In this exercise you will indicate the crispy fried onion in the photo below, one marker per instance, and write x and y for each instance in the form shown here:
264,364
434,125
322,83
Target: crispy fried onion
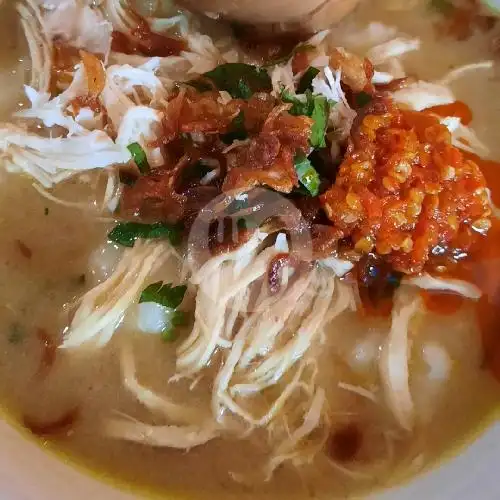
155,194
268,158
356,72
191,112
94,70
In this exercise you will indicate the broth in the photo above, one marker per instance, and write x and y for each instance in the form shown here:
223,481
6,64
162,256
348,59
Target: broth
45,249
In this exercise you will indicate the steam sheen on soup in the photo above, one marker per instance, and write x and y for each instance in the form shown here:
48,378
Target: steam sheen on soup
249,269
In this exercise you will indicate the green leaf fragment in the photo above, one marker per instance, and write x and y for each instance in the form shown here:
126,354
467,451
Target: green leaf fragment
237,131
442,6
307,174
200,84
139,156
16,334
240,80
178,319
164,294
171,298
125,233
301,105
306,80
316,107
362,99
320,114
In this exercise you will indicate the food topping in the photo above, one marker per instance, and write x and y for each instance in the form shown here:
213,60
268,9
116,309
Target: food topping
404,192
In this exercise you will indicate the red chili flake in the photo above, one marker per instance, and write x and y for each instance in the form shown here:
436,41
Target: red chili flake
24,249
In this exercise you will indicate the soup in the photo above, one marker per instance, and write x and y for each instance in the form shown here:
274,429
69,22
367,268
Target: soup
207,288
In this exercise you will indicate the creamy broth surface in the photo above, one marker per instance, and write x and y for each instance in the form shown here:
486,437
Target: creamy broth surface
44,267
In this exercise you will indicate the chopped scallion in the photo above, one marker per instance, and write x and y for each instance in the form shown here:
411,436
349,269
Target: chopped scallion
306,80
125,233
240,80
164,294
139,156
171,298
315,106
237,130
308,176
362,99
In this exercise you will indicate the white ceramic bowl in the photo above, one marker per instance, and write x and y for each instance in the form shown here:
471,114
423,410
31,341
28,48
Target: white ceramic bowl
27,472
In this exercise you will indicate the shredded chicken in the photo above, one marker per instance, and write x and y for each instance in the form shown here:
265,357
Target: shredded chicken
341,115
422,95
169,436
79,25
460,287
102,309
395,358
104,78
39,43
393,48
51,160
231,327
352,68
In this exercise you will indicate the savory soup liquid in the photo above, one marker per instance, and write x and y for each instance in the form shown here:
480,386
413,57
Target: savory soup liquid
66,396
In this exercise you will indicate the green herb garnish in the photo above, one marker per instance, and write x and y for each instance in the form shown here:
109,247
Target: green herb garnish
164,294
46,211
178,318
321,111
125,233
240,80
301,105
16,334
362,99
308,176
237,131
139,156
315,106
306,80
442,6
200,84
170,297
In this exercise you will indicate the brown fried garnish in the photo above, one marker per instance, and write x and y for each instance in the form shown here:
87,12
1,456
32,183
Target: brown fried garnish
154,196
356,72
269,158
95,74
